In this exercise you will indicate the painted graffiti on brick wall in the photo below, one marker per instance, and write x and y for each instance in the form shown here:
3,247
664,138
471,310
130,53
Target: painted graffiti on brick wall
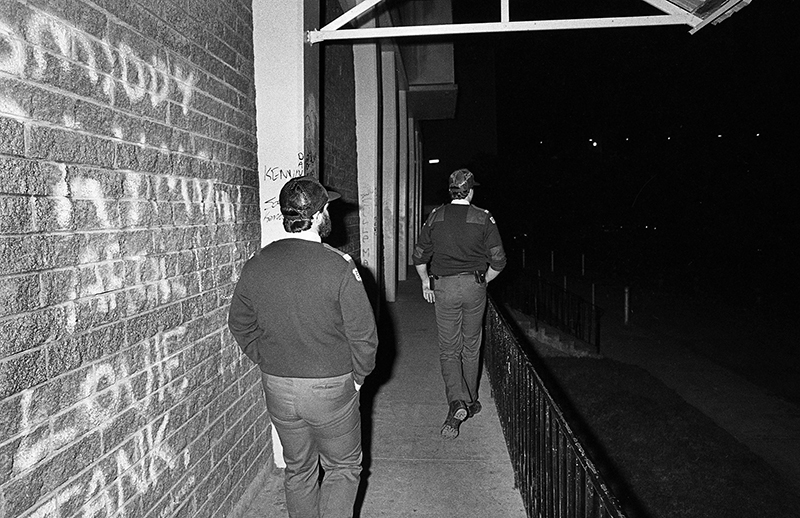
108,391
24,51
128,200
138,386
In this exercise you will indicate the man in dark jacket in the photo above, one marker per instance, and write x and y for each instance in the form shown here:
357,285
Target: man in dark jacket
463,246
300,312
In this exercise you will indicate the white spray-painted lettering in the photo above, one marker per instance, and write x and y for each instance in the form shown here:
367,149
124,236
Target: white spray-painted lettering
138,89
39,28
102,503
139,76
101,410
52,508
175,499
107,387
13,61
104,390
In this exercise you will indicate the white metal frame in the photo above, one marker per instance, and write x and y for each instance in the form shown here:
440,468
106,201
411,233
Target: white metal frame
674,15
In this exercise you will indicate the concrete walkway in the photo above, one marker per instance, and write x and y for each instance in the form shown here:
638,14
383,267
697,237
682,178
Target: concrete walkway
410,470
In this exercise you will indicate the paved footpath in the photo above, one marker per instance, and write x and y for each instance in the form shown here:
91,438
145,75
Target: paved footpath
410,469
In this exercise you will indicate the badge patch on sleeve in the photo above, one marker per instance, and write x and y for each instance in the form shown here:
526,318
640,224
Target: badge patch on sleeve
356,275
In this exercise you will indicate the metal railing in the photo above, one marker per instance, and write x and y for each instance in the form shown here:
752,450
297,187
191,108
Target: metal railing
554,305
551,468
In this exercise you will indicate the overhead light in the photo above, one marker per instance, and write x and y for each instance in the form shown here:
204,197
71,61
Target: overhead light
433,161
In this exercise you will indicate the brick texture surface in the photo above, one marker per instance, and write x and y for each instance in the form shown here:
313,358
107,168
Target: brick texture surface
128,204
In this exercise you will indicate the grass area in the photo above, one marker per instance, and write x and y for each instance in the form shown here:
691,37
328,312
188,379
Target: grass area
661,456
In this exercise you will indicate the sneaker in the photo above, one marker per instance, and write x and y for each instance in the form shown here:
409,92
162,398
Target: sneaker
458,410
456,415
450,427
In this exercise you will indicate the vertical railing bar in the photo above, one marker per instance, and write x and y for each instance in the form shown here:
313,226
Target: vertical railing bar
550,465
576,487
530,440
560,472
538,448
568,489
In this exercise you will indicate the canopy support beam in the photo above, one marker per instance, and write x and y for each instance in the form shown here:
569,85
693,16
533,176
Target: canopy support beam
674,15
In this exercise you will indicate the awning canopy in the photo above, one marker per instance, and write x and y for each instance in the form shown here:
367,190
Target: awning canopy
694,13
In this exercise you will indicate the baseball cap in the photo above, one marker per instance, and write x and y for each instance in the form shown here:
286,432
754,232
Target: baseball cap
462,180
303,196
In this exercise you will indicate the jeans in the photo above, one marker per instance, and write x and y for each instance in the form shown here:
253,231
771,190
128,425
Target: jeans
460,305
318,422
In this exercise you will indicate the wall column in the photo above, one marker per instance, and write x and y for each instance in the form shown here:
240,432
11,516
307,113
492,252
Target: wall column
366,58
416,205
402,188
413,182
287,101
389,147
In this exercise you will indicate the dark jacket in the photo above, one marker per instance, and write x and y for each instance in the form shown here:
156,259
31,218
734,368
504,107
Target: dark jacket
300,310
459,238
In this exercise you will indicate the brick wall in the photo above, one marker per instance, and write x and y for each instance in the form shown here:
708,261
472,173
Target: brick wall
339,156
129,202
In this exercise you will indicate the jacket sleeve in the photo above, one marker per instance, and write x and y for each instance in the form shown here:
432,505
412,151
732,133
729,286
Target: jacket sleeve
423,250
494,244
243,322
359,324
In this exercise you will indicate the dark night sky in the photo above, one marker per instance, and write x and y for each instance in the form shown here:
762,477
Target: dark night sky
732,75
529,103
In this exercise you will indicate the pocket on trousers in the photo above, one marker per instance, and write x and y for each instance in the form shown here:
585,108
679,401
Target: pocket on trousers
335,388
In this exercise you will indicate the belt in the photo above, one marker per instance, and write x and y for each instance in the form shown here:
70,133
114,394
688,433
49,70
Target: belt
453,275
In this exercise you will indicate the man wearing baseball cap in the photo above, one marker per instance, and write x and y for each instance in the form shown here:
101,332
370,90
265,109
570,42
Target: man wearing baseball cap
300,312
463,247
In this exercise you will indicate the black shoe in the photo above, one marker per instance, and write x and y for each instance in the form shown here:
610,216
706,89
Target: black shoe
473,408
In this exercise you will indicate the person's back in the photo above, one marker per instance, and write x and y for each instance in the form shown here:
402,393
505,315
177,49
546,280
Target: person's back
462,239
295,287
300,312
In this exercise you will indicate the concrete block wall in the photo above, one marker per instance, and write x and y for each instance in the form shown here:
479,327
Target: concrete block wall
339,156
128,204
